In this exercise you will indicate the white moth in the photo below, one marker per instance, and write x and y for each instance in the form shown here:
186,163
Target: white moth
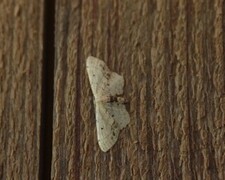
111,114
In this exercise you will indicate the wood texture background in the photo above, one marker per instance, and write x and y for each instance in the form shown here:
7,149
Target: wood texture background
171,54
21,46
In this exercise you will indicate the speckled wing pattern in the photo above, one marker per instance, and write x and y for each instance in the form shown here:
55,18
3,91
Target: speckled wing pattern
111,117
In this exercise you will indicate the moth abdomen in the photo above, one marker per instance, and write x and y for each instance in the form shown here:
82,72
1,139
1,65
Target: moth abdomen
121,100
110,99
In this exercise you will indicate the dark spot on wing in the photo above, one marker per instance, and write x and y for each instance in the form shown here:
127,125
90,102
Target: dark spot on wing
113,133
112,115
102,128
93,75
107,75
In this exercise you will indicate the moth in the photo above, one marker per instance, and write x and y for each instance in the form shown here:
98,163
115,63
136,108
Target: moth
111,113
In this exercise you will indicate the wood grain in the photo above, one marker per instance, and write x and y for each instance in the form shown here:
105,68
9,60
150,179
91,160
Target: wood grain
171,56
20,88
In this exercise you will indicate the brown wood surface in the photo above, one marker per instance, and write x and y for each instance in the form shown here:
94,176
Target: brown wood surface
21,46
171,54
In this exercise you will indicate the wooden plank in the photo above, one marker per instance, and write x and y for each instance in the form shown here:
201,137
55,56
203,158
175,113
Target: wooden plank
21,31
171,56
206,89
67,117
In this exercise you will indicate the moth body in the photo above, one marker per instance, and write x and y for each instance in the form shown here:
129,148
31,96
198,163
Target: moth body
111,114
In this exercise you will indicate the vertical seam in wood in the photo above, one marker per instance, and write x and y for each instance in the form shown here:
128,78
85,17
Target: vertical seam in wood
46,127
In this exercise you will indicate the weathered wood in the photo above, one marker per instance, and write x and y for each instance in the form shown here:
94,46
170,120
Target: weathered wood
171,56
21,36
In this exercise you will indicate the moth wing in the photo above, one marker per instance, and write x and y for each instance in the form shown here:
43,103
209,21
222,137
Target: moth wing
103,81
111,118
107,127
118,112
116,84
